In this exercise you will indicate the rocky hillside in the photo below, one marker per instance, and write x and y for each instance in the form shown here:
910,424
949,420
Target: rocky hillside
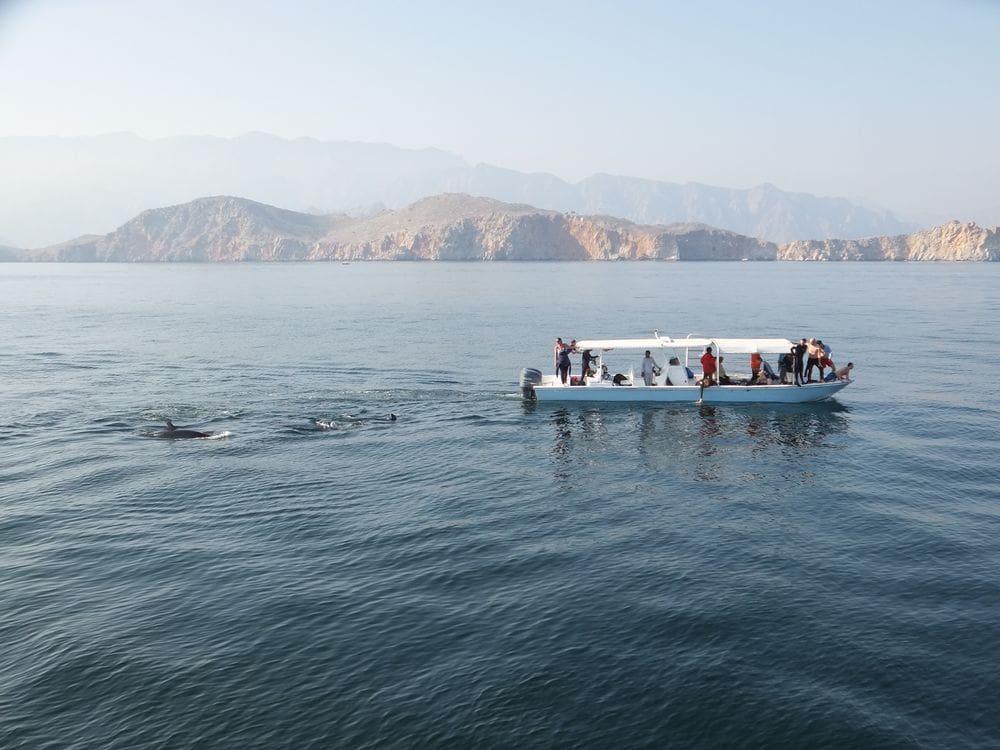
446,227
461,227
55,188
952,241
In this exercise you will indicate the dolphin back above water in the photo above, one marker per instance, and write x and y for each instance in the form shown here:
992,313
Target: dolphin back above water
350,421
173,432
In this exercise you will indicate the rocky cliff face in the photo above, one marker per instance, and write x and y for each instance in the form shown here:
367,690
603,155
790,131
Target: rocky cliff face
460,227
953,241
446,227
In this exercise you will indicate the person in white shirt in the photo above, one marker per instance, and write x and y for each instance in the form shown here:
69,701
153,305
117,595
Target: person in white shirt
648,371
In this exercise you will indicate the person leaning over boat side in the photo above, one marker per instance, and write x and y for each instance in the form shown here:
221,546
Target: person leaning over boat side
799,351
707,370
844,373
820,358
649,368
824,360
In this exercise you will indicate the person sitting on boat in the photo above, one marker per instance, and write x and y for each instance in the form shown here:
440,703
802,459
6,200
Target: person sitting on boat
754,365
708,365
844,373
765,368
605,375
723,376
786,363
649,368
677,374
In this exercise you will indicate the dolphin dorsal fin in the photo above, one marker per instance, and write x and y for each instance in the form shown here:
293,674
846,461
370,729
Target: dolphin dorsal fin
170,425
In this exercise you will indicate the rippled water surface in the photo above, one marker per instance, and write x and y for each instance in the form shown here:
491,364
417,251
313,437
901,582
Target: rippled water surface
482,571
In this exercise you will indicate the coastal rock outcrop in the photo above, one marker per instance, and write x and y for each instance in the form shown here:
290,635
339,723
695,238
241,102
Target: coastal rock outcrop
953,241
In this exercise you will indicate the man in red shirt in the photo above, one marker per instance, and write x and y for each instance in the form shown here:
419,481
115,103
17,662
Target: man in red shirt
708,370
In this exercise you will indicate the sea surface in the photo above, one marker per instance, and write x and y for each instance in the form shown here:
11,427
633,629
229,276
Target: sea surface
485,572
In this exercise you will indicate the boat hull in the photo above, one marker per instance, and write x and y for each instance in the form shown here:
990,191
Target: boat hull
716,394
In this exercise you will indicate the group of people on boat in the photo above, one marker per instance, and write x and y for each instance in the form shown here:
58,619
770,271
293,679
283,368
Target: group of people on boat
807,355
564,366
794,367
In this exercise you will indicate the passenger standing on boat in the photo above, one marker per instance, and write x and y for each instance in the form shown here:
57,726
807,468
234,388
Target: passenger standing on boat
799,351
825,362
555,353
814,350
649,368
708,370
786,364
563,364
588,360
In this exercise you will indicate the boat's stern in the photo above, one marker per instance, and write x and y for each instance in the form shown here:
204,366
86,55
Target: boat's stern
530,377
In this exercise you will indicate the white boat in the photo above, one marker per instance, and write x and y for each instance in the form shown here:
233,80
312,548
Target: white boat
675,382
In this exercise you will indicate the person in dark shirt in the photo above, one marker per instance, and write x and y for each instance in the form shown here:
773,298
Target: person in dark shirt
563,363
799,352
786,364
588,360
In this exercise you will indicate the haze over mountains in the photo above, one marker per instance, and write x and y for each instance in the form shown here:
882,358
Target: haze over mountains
461,227
53,189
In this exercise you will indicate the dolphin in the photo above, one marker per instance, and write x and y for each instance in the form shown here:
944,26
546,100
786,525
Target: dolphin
173,432
350,421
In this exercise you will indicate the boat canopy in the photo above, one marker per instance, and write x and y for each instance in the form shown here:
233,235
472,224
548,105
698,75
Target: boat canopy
728,346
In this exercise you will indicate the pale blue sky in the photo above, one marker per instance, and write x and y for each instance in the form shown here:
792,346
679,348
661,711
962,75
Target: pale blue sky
894,101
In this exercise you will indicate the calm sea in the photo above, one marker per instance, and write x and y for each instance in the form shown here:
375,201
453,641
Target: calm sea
483,572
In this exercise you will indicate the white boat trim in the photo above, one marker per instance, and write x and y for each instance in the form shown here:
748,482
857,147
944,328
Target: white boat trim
714,394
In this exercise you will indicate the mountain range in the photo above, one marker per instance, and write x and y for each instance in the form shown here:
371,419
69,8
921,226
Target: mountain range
462,227
54,188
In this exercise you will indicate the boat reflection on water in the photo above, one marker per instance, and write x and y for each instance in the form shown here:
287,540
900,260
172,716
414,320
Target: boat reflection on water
710,440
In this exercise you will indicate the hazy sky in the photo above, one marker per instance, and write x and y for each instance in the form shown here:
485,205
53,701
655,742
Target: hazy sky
896,101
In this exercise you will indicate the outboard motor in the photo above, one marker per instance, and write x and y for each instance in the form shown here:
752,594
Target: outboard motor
530,377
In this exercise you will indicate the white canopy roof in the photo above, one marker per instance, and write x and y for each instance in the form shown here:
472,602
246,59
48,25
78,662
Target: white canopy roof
726,346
